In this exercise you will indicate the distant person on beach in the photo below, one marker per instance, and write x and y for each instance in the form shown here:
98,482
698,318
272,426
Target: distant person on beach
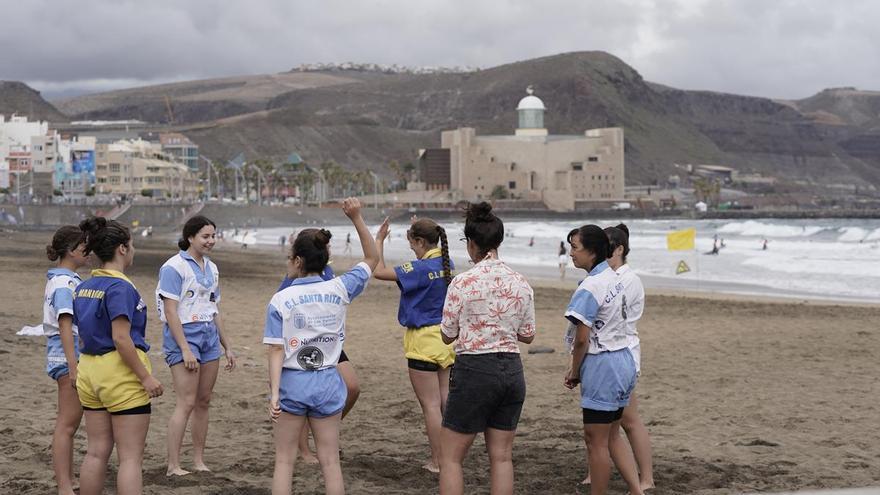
62,345
344,367
488,310
715,247
304,383
563,260
633,307
423,284
764,245
347,251
187,298
531,241
282,241
114,379
601,361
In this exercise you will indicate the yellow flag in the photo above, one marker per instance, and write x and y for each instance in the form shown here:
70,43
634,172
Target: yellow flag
682,268
681,240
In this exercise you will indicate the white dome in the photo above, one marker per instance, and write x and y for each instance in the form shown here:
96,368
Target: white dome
530,102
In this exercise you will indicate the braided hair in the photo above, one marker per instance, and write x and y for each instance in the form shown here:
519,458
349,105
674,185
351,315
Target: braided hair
432,233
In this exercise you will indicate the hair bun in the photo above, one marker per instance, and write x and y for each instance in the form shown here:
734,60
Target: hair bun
479,212
623,228
322,237
51,253
93,224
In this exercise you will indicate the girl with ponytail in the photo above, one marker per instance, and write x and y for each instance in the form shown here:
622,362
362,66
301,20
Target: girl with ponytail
114,379
423,284
68,251
188,297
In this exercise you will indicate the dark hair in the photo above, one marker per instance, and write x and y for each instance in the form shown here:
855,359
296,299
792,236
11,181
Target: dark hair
594,240
65,240
103,236
431,232
311,246
562,249
618,236
483,227
191,228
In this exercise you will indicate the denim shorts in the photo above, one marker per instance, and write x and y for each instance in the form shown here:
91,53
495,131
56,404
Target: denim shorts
203,340
313,393
56,360
607,380
485,391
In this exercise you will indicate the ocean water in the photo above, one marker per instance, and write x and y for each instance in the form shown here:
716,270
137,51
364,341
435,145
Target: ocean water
837,259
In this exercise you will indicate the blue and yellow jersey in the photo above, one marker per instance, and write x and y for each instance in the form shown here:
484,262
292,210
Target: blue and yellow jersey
422,290
101,299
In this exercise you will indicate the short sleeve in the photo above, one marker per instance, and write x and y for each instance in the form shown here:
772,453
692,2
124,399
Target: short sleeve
410,277
355,280
62,301
527,327
452,307
121,300
170,283
583,308
273,333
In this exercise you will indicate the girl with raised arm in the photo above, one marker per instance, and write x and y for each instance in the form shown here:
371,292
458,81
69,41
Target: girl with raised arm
305,330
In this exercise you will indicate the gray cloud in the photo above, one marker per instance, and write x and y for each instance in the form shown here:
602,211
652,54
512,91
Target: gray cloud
780,48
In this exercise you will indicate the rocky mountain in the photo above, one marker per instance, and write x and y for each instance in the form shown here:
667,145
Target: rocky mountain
365,118
19,98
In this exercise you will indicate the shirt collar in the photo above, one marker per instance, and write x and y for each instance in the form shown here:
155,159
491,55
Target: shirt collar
54,272
100,272
185,255
623,269
307,280
601,267
432,253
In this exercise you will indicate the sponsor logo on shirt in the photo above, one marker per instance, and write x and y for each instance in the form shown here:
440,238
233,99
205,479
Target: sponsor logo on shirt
310,358
293,342
406,267
299,321
190,293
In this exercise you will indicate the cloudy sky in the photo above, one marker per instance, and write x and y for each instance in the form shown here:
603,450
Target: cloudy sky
774,48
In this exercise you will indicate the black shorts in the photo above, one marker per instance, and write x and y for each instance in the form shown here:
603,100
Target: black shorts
485,391
342,357
419,365
144,409
596,417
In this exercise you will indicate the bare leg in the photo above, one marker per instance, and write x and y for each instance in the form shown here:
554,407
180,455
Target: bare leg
326,432
99,436
186,384
130,433
443,378
640,440
500,446
596,437
287,430
427,388
352,385
623,459
69,415
207,379
455,447
304,451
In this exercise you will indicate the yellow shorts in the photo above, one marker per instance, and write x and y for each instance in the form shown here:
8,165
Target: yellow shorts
426,344
106,382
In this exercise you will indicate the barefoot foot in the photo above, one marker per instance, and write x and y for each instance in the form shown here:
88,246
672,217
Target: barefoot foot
310,458
430,466
586,481
200,466
177,471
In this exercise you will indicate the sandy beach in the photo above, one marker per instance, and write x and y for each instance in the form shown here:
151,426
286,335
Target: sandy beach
739,394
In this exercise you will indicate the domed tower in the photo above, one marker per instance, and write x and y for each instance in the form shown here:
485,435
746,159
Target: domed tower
531,115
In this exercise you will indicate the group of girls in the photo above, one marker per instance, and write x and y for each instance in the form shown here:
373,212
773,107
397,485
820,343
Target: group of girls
461,345
97,351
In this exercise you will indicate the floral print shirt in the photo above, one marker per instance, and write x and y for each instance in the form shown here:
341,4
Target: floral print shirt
486,307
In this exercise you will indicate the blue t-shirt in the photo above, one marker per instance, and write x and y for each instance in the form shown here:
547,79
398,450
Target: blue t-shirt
100,300
287,282
422,291
171,282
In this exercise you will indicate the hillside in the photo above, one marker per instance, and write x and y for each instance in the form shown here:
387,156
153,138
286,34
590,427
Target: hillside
365,119
19,98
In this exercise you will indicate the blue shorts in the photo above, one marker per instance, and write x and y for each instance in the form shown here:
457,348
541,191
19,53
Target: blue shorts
56,361
607,380
203,339
317,394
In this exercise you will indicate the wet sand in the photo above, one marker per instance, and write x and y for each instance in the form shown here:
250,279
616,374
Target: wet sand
739,394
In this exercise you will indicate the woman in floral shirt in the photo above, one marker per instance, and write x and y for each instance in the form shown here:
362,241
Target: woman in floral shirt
488,309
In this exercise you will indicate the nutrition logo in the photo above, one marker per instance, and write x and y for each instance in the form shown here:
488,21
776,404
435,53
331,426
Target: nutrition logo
310,358
293,342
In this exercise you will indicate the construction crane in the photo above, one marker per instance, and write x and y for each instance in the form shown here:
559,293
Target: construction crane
169,110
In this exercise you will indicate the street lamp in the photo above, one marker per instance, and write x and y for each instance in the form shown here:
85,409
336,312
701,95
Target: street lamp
375,189
210,168
260,177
